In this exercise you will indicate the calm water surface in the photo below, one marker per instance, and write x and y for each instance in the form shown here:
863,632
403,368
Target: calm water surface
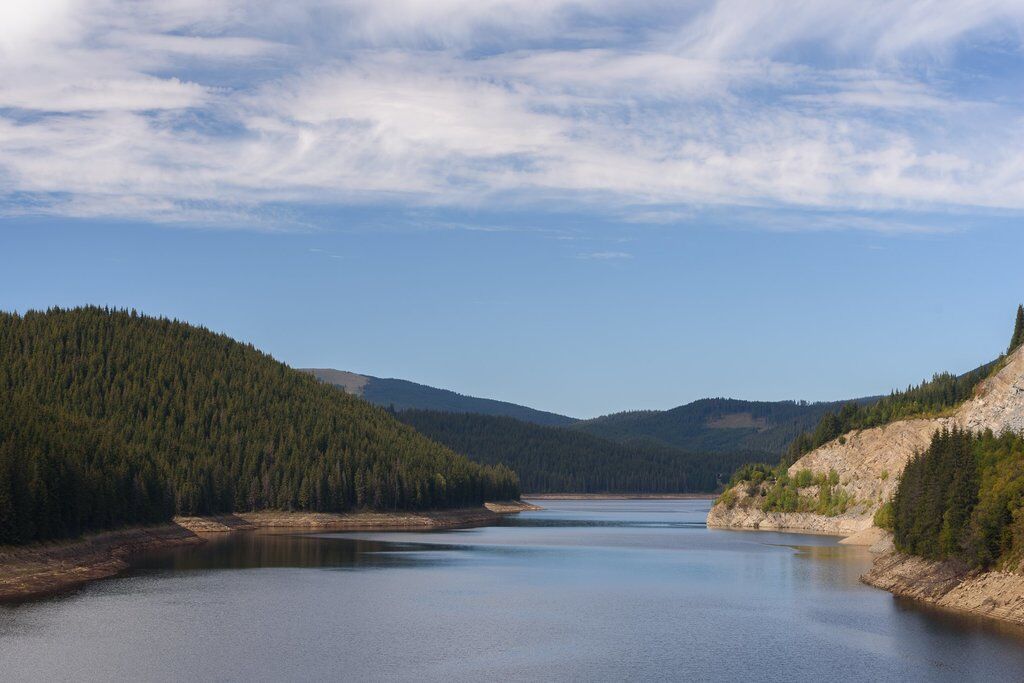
584,590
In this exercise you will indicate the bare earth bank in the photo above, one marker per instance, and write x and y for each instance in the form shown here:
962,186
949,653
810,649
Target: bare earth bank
951,585
619,496
43,569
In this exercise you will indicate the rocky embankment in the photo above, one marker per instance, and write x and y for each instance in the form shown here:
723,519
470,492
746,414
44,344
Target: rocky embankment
870,461
43,569
749,516
951,585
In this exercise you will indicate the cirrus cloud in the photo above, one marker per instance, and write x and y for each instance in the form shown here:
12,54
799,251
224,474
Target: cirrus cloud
214,112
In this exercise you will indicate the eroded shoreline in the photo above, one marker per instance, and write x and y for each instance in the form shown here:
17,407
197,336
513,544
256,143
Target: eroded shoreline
40,570
618,496
950,585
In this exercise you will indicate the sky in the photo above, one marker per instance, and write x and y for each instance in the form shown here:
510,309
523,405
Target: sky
584,207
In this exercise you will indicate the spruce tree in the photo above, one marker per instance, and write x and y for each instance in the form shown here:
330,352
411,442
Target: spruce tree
1018,330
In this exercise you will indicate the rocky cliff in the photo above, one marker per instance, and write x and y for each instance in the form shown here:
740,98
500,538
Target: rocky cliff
870,461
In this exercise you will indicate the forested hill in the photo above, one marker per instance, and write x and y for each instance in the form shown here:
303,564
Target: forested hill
112,418
720,425
404,395
559,460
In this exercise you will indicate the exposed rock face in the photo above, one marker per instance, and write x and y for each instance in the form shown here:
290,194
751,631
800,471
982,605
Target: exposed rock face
999,595
999,403
870,461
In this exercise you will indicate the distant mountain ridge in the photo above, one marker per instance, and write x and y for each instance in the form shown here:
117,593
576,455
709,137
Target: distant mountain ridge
718,425
708,425
405,395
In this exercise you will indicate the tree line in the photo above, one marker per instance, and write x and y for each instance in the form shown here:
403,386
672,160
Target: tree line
962,498
560,460
120,418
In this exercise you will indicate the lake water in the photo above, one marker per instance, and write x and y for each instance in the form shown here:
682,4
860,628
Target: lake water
583,590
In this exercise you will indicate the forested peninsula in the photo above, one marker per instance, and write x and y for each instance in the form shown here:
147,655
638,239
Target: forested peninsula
113,418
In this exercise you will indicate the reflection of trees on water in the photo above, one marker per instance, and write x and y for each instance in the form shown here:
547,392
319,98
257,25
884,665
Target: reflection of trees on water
254,550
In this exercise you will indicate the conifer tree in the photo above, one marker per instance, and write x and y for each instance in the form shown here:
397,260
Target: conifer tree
1018,330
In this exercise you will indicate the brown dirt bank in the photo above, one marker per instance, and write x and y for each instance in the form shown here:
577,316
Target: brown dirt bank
44,569
950,585
619,496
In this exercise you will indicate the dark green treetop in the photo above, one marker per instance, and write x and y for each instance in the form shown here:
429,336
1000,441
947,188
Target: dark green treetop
1018,330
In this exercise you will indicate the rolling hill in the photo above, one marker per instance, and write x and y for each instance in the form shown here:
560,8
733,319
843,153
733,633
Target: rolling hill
718,425
112,418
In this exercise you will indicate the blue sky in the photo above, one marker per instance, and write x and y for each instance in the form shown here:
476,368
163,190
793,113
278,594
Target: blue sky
584,207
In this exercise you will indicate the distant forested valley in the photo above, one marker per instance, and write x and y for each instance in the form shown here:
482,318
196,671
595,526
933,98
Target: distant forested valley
114,418
558,460
691,448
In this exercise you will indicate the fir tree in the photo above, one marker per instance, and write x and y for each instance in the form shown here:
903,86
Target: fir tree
1018,330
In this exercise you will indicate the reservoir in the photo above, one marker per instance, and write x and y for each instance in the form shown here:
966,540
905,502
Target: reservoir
582,590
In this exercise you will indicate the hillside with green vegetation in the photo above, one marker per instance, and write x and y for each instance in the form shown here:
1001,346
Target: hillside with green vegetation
402,394
962,498
557,460
719,425
778,489
775,490
114,418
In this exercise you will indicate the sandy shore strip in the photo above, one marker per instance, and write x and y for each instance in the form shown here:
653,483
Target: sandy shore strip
619,496
42,569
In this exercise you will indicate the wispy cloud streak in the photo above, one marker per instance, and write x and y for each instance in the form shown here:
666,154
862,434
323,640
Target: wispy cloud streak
211,111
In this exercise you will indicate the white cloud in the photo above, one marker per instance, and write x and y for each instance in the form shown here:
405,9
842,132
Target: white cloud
213,111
